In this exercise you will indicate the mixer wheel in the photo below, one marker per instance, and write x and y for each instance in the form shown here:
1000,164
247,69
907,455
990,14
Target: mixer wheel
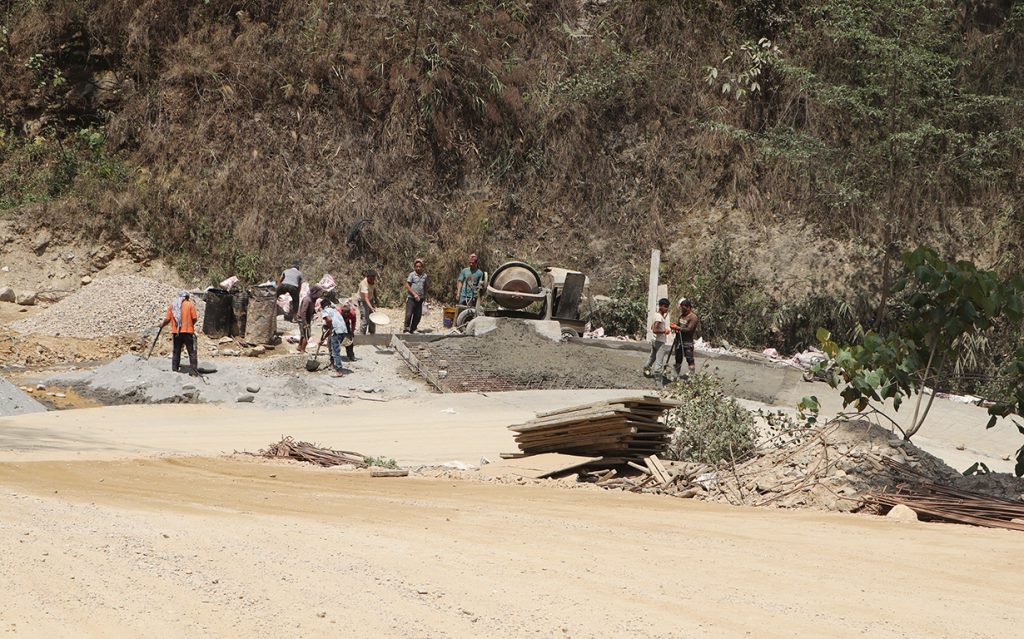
465,317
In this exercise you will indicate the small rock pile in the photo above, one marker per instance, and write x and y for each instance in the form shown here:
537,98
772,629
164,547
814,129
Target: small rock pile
109,306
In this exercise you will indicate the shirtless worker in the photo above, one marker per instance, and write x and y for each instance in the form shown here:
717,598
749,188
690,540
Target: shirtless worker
686,330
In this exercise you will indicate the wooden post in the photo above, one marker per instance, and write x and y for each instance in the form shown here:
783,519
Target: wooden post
652,291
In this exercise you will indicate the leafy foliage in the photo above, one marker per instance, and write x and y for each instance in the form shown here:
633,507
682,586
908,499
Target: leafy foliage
709,425
944,303
626,312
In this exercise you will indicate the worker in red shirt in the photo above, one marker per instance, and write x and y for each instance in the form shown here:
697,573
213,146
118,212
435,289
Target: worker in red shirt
348,311
182,317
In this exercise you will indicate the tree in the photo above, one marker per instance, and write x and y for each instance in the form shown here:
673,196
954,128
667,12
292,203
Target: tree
874,113
941,304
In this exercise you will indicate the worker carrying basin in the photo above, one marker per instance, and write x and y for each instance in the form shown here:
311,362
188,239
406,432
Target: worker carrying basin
518,290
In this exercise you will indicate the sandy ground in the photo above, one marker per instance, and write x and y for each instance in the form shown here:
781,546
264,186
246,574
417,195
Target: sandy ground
221,548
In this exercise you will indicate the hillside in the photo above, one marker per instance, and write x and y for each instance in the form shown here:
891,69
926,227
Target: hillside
237,135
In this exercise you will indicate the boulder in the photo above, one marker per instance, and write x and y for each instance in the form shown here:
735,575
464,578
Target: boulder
7,294
25,298
86,280
246,399
252,388
900,512
41,240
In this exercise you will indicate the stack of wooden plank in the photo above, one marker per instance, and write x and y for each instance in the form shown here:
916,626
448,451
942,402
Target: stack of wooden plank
624,429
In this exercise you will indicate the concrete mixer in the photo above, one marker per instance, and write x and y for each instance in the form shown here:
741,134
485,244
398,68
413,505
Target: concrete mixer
518,290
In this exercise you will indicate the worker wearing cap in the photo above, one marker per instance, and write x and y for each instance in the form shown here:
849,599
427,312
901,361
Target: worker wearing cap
182,317
416,289
686,330
661,330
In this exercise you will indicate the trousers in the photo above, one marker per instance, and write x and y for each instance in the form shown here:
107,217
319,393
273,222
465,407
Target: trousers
413,313
364,319
188,340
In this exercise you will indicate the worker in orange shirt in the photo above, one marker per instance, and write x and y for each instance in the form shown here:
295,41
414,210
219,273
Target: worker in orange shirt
182,317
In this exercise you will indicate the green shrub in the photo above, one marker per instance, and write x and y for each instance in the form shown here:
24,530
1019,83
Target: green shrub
626,312
709,426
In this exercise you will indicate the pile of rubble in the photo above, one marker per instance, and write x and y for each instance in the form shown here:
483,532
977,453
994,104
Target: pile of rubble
109,306
844,466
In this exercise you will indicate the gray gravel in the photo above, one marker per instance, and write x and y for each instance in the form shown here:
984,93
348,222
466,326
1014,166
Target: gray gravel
282,382
14,401
109,306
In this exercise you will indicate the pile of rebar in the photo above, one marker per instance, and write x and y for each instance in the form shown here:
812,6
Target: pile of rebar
936,502
306,452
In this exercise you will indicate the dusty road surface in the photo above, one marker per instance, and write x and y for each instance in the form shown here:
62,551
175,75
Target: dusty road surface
200,547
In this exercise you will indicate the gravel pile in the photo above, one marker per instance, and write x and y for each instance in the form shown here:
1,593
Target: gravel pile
109,306
14,401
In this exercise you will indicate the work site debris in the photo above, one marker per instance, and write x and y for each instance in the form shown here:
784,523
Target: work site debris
625,429
108,306
288,448
844,466
935,502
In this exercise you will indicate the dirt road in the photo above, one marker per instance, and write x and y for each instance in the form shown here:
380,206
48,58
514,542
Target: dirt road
217,548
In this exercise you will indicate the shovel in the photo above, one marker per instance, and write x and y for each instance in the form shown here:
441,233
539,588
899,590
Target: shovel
153,345
313,364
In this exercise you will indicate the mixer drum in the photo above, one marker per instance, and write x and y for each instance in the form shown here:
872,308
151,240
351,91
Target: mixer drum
515,285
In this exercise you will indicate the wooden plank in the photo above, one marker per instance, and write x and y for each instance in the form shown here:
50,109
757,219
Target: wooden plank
387,472
642,469
569,301
634,399
535,466
653,467
537,424
661,468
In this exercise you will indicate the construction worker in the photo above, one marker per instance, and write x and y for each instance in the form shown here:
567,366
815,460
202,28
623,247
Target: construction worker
685,332
661,329
416,290
336,327
304,317
290,281
182,317
367,297
348,312
469,282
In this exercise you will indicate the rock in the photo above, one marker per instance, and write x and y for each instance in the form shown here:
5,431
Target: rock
960,447
25,298
85,280
188,387
253,388
7,294
41,240
225,340
900,512
206,368
255,351
245,399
